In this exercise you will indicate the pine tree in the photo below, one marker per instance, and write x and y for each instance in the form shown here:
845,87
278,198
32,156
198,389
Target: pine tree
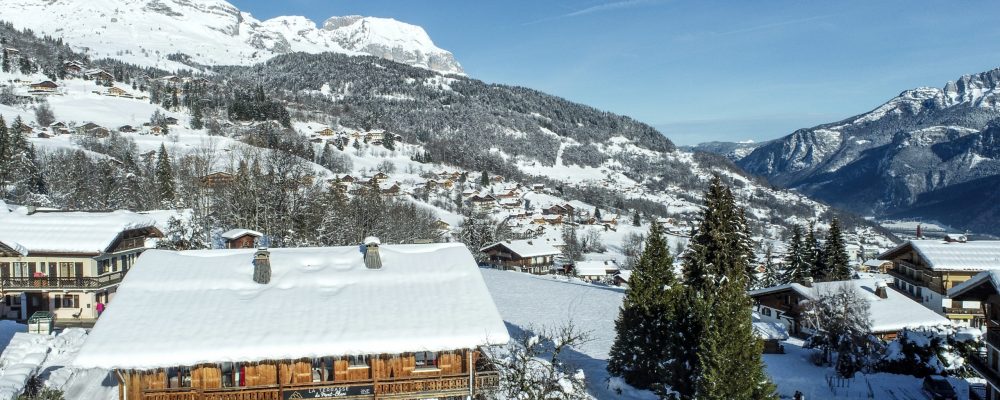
635,219
770,276
814,254
5,152
6,62
835,258
642,349
484,180
164,176
796,268
718,355
389,141
196,118
597,214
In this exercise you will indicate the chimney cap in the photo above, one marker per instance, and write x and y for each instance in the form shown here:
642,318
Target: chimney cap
372,241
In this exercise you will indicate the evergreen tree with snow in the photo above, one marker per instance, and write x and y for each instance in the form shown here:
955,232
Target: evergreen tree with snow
164,176
5,152
44,115
484,179
813,254
796,268
835,258
635,219
643,349
719,357
389,141
197,121
597,214
771,276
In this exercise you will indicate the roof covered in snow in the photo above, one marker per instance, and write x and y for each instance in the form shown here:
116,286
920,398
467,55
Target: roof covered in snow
976,286
67,232
187,308
592,268
238,233
768,330
895,312
527,248
975,255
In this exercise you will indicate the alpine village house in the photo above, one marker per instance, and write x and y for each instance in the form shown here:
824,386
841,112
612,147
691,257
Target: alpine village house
66,262
358,322
532,255
984,288
926,269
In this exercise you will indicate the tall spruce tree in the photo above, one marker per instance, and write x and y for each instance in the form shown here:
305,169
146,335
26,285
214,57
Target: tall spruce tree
643,350
814,254
796,268
718,355
835,258
164,176
770,276
5,152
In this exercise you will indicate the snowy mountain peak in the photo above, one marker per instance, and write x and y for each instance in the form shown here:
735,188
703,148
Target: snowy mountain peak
214,32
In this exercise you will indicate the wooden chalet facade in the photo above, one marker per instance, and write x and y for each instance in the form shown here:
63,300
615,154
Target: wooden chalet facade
241,238
926,269
532,255
66,263
786,304
983,288
341,344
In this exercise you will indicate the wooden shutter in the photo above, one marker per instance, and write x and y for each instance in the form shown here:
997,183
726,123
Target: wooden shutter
340,369
31,270
79,270
53,269
303,371
196,377
267,374
211,376
5,270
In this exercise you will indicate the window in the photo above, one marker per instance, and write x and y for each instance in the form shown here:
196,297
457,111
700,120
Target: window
66,270
102,266
766,311
20,270
322,369
426,359
178,377
67,301
232,375
358,361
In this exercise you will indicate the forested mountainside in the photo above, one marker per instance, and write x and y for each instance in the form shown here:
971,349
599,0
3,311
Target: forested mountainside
444,122
881,162
734,151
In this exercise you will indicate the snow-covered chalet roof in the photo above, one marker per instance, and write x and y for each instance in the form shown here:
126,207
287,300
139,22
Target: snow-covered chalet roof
67,232
991,277
527,248
893,313
192,307
977,255
238,233
594,268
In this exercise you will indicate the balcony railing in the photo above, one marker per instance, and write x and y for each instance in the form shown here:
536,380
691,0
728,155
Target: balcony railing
83,282
980,362
966,311
398,388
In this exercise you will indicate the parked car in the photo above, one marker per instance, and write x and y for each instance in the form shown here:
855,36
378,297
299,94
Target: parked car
938,388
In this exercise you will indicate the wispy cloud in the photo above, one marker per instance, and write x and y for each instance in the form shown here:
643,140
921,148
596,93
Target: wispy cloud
773,25
599,8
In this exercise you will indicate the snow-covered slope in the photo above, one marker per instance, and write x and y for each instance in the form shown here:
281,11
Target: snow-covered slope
214,32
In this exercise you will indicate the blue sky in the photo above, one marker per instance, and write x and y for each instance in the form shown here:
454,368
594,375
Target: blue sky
700,70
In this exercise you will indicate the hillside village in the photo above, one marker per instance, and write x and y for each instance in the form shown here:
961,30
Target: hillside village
516,255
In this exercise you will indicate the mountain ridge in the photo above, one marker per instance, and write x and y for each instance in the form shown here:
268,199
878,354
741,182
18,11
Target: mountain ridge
214,32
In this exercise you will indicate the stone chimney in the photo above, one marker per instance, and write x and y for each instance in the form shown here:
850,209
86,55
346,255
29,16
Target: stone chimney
262,266
881,290
372,258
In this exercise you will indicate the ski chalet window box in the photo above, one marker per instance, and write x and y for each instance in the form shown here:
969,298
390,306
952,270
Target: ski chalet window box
360,322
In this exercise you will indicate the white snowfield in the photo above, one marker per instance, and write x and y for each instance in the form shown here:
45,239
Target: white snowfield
968,256
214,32
890,314
66,232
187,308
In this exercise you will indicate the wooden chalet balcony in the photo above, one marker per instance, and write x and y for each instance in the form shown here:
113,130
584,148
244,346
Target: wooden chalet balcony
966,311
88,282
397,389
981,363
